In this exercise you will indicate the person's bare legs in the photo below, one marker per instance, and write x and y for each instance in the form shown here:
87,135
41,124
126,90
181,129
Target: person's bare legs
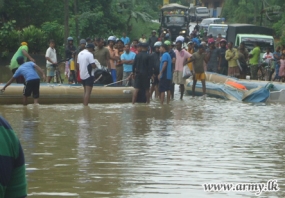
36,101
172,91
162,95
147,95
87,93
49,79
157,94
204,86
193,87
182,88
135,95
25,100
168,97
152,89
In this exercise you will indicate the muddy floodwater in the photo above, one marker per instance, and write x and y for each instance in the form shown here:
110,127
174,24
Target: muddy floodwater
140,151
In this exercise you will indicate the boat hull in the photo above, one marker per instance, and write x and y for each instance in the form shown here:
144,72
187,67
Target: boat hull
65,94
217,87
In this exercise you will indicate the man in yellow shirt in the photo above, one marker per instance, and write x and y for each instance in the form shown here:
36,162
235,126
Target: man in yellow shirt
191,51
231,57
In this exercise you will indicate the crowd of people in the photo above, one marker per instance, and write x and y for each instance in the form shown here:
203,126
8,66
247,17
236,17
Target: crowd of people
152,65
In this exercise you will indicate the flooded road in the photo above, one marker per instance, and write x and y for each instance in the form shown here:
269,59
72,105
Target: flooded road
121,150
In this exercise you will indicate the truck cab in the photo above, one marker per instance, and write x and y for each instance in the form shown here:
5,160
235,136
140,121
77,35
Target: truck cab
175,18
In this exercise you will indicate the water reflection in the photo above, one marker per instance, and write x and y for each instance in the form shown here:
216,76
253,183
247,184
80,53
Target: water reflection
124,150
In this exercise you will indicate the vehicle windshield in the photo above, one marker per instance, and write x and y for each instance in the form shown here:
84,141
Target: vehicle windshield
202,10
264,43
215,30
174,19
211,21
206,22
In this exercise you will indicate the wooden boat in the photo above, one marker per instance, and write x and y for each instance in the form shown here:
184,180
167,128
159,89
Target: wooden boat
61,94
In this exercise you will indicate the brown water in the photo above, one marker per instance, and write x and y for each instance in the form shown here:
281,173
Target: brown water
121,150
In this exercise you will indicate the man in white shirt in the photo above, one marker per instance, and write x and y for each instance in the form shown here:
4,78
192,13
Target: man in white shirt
86,65
268,56
51,60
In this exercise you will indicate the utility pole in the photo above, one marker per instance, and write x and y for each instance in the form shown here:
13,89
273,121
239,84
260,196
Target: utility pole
261,15
66,19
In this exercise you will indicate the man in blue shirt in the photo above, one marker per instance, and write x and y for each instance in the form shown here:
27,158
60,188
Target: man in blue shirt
165,75
32,79
125,39
127,59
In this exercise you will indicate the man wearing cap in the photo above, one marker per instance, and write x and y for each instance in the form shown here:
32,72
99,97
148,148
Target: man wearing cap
152,39
51,60
173,60
86,65
213,56
32,79
143,72
22,51
127,59
223,63
181,57
155,62
102,54
125,39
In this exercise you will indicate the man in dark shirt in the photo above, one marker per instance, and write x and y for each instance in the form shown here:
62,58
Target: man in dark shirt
70,49
152,40
155,61
142,71
223,63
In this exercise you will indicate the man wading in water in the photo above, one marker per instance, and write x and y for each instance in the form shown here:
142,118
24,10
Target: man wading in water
181,56
86,63
143,71
32,79
198,59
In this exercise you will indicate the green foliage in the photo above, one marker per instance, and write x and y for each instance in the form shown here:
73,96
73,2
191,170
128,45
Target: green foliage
34,37
140,28
38,21
53,30
245,11
9,37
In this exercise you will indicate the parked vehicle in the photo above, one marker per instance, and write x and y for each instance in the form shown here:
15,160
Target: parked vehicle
206,22
175,18
216,29
198,13
250,34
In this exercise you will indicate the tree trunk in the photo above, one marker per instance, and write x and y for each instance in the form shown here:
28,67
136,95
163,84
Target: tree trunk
66,17
128,24
76,22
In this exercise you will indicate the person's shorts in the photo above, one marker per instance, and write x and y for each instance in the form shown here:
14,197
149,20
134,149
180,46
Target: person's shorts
50,70
200,76
120,71
164,85
177,78
88,81
155,80
32,86
141,82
